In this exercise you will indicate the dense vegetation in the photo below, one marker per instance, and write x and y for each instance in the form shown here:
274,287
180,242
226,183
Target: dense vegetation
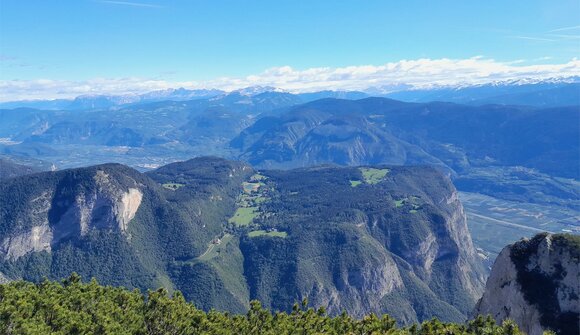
170,225
10,169
338,239
310,234
73,307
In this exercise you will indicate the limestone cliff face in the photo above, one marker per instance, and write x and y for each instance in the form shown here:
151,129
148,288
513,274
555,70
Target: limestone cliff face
38,238
56,214
536,283
106,206
445,257
355,286
456,240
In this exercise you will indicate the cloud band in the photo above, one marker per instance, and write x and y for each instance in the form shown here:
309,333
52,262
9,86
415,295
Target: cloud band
420,73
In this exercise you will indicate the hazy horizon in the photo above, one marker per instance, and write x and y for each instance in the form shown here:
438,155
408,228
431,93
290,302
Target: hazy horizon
66,49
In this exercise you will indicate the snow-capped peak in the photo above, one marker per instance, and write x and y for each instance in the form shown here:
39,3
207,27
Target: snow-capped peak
255,90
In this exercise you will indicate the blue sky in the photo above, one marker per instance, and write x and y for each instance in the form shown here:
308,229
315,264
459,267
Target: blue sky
197,41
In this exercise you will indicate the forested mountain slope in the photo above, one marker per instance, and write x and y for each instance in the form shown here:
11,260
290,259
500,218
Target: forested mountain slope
10,169
370,239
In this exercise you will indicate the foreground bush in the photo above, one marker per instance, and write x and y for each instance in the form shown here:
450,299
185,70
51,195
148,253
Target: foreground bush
73,307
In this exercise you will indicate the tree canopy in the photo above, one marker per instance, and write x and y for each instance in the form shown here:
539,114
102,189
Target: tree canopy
74,307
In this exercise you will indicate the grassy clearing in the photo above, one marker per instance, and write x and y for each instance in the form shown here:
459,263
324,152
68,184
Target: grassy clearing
172,186
355,183
257,233
214,249
248,202
373,176
244,216
251,187
409,202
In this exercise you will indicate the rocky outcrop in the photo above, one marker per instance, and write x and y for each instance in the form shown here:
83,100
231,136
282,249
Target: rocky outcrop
535,282
107,208
4,279
104,204
357,287
456,239
37,239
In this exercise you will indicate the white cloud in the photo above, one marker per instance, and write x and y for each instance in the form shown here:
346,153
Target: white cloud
564,37
531,38
565,29
127,3
419,73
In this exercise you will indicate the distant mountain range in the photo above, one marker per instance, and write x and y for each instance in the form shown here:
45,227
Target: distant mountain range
552,92
100,101
540,94
105,102
379,130
276,129
515,152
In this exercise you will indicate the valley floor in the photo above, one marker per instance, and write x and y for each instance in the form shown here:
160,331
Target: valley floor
495,223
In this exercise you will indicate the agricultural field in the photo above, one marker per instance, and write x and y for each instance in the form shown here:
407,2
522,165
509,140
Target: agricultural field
248,202
244,216
251,187
372,175
495,223
355,183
